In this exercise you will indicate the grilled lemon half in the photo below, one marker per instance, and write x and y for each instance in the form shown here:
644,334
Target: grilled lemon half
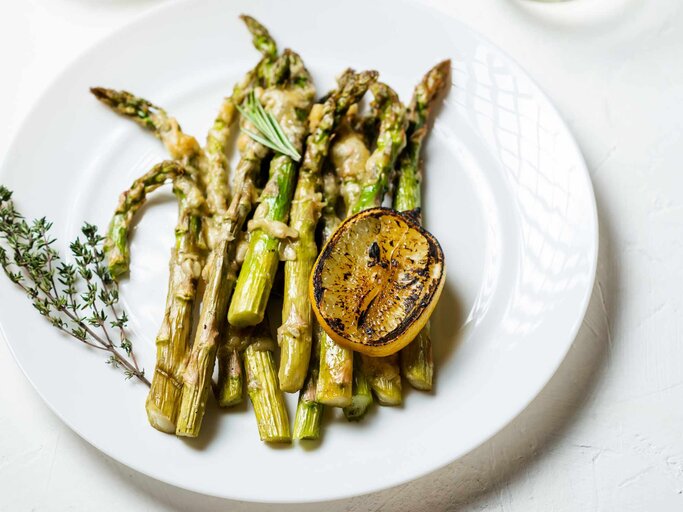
377,281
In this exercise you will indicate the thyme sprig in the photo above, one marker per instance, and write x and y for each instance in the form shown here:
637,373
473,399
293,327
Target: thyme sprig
270,133
80,298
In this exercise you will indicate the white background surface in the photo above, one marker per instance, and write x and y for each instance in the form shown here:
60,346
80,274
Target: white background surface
605,434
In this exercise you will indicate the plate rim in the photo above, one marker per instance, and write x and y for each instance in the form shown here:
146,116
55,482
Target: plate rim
146,16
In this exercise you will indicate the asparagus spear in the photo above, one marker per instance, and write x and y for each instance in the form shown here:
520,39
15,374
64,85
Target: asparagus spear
116,243
212,171
220,275
309,409
348,155
217,168
181,146
263,388
309,412
217,189
383,373
230,385
362,395
173,338
294,336
172,343
261,38
384,377
416,359
268,226
391,139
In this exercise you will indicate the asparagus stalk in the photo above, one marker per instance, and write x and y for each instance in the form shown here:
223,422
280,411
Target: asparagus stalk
116,242
229,388
268,226
309,409
416,359
220,276
209,168
294,336
432,85
263,388
230,385
384,378
181,146
218,190
217,169
197,375
335,374
267,47
348,155
172,341
383,373
309,412
391,139
261,38
362,395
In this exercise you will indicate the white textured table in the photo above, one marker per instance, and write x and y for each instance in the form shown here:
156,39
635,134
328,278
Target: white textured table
606,433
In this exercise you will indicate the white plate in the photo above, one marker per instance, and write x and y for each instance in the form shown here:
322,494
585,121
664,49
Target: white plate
507,193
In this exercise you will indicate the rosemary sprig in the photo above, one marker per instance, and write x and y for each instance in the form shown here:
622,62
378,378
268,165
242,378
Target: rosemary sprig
79,298
270,133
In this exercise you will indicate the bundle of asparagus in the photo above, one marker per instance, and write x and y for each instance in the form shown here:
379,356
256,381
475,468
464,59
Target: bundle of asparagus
280,121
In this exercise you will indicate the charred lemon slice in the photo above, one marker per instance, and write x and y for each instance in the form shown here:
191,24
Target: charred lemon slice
376,281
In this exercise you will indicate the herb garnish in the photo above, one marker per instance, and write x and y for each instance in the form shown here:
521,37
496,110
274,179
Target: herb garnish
270,133
80,298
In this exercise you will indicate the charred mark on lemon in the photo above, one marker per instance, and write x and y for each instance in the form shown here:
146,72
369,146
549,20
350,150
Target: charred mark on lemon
377,281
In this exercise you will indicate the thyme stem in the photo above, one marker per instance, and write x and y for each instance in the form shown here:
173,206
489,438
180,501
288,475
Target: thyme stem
61,291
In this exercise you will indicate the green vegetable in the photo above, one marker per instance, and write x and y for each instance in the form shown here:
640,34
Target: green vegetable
173,339
268,226
416,359
220,276
383,374
79,299
263,388
295,334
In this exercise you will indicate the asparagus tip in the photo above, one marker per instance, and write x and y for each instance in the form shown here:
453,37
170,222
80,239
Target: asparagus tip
444,66
102,94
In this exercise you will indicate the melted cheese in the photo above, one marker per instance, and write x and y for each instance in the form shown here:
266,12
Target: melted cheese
283,105
349,155
274,228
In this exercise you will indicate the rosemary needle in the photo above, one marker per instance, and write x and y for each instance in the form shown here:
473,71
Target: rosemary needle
270,133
